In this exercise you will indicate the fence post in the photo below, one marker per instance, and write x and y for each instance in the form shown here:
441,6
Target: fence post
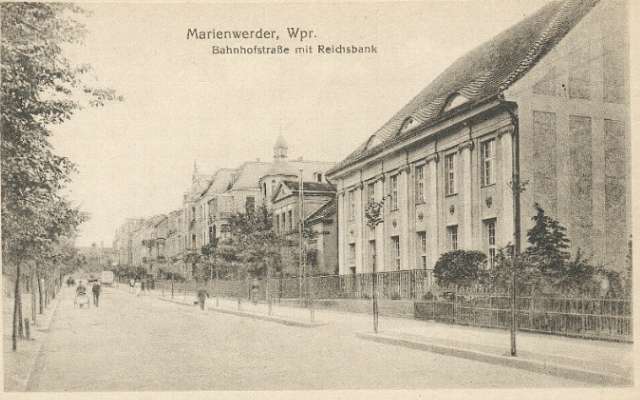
584,330
453,308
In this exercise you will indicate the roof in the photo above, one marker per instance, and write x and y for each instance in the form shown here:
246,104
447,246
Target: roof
485,71
220,181
328,210
280,142
248,175
292,167
310,187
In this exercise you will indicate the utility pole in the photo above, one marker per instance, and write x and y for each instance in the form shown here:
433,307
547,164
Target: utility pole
300,234
516,187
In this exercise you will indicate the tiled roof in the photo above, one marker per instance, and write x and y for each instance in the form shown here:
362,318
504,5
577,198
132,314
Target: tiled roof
316,187
248,175
220,181
326,211
483,72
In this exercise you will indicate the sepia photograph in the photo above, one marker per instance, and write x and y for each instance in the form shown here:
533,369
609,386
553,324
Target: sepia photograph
317,196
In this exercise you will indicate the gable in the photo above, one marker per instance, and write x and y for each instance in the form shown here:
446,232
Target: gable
282,192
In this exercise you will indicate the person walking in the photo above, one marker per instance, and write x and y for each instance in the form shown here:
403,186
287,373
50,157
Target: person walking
255,288
203,295
131,285
137,287
96,293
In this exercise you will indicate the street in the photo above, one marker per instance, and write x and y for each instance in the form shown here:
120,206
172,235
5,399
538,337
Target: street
141,343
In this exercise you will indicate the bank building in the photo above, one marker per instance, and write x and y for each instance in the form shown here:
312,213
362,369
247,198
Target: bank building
547,98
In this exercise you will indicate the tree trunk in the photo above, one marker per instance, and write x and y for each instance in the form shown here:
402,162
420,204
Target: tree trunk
40,299
16,299
20,323
33,297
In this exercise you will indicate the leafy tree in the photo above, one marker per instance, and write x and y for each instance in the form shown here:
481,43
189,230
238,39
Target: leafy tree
40,87
460,268
257,245
548,244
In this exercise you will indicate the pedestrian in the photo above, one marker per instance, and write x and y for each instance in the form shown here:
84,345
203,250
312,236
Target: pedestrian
255,287
131,285
203,294
96,293
137,287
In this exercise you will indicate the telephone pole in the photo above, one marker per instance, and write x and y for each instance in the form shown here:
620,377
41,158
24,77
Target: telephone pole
300,234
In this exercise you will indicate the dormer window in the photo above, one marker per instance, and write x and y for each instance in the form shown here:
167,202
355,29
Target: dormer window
455,101
408,124
317,176
372,142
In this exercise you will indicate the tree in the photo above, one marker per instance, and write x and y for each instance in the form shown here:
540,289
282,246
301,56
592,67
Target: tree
549,262
40,87
460,268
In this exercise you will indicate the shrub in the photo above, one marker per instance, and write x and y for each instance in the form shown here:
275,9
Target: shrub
460,268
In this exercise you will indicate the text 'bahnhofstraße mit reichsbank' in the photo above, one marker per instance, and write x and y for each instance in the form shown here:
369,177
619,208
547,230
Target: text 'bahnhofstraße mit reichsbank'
284,50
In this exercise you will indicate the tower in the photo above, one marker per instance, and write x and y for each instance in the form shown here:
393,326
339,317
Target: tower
280,149
194,176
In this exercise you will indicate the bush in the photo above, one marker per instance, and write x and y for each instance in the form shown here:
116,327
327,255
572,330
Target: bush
460,268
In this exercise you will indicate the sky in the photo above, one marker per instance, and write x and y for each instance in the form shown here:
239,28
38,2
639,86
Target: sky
183,104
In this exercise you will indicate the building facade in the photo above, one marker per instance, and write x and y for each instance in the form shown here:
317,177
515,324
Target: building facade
551,90
323,241
285,205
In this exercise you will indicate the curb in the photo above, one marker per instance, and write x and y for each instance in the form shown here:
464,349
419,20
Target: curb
594,377
279,320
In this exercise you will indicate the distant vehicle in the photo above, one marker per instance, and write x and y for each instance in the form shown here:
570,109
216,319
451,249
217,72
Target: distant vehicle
107,278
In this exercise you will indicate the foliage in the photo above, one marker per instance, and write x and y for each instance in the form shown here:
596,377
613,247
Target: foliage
546,266
461,268
40,87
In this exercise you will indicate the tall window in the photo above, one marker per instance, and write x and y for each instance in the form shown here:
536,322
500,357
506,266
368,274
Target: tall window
290,217
449,172
452,237
395,244
490,232
352,205
420,184
488,156
371,192
352,254
422,249
394,192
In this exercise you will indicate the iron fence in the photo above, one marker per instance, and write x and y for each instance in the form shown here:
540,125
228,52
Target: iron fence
596,318
603,318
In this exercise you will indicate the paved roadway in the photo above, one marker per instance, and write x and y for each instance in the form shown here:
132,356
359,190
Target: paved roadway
132,343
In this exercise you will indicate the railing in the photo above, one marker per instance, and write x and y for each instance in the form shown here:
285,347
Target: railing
603,318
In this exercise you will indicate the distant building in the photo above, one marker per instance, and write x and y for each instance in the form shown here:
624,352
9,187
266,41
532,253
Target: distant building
286,221
323,243
123,241
558,81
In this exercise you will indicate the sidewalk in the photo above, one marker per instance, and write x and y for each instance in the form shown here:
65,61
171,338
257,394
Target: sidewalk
284,315
593,361
19,365
596,362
